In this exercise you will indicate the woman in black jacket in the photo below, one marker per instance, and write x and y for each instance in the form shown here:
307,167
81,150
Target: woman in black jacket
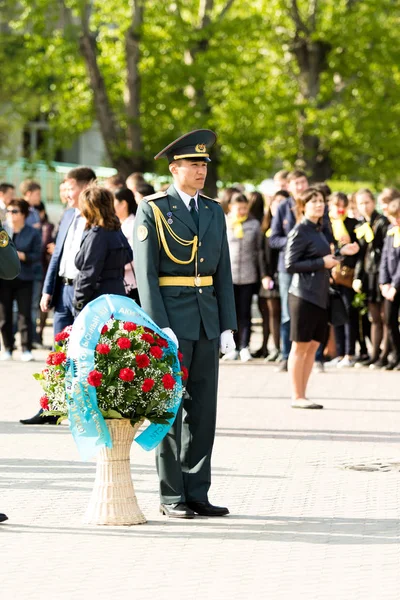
104,251
28,243
343,228
371,234
309,259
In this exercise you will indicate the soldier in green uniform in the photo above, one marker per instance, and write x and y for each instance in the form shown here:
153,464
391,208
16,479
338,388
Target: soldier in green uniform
9,269
184,280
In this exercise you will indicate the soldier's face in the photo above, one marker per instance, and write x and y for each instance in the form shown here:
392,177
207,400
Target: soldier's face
189,175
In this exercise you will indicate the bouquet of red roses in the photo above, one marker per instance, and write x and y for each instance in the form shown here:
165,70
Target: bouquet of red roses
133,374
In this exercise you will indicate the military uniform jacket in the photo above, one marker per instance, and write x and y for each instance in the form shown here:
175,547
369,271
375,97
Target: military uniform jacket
184,308
10,265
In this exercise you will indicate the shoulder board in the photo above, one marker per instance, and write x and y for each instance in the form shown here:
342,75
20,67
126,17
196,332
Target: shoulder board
156,196
217,200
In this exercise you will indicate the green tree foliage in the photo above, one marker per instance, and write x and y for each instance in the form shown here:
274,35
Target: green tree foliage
283,82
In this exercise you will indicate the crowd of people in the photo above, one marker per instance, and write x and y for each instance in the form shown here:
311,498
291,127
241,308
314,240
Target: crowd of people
258,227
266,264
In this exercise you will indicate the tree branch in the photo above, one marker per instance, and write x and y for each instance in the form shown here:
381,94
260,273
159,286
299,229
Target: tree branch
205,9
225,10
313,13
298,21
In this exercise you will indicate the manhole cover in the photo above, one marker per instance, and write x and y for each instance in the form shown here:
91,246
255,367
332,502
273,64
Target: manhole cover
383,466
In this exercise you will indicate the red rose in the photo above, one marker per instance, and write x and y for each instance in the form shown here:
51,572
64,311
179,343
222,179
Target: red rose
104,329
180,356
126,374
124,343
94,378
60,337
56,358
185,373
146,337
162,343
168,381
44,402
148,329
142,361
128,326
156,352
148,385
103,348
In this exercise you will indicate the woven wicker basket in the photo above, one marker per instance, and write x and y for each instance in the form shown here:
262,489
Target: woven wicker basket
113,500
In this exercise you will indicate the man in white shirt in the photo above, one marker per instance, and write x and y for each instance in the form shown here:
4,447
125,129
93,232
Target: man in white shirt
58,287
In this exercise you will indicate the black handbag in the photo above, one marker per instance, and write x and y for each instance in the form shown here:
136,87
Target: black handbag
338,314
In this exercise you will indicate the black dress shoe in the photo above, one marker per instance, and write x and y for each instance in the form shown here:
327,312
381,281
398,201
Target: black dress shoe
180,510
40,419
205,509
3,517
260,353
391,366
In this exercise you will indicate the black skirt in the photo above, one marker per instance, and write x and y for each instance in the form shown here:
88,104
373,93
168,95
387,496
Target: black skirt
307,321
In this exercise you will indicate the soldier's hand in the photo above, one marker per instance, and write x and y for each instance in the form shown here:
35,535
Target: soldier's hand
226,342
45,302
168,331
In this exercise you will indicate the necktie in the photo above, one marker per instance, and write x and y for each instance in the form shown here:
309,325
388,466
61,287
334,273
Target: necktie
193,212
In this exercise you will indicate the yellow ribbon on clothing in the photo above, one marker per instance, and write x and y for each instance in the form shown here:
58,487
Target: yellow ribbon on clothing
338,227
395,231
161,223
238,228
268,233
365,231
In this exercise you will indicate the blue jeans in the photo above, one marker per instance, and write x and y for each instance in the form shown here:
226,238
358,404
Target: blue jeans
285,279
64,310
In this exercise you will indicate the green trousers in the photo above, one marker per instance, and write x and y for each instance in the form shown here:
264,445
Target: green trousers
183,458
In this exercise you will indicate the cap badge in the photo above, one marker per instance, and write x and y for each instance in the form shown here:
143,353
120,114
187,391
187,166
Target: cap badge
200,148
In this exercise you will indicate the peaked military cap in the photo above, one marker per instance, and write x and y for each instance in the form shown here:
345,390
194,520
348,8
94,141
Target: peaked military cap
194,144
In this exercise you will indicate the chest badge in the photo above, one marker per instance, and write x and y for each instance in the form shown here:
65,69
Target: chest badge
4,239
142,233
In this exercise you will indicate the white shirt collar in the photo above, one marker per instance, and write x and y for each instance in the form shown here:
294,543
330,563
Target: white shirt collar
186,198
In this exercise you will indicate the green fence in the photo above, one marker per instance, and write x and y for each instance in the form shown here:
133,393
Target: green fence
48,175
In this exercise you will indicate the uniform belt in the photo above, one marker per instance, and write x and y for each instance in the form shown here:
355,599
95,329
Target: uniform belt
186,281
67,281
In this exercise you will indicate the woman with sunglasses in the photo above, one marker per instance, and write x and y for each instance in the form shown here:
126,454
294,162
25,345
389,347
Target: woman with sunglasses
28,243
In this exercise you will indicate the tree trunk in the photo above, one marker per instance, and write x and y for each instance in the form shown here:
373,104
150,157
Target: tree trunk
133,85
311,59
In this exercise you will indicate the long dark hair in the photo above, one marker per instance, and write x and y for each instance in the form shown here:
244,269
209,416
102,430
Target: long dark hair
267,220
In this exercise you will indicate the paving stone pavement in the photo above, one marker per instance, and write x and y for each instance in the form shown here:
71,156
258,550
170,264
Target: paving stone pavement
303,523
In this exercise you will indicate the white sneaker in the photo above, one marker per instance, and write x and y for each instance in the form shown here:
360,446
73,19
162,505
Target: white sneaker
231,355
27,356
6,355
245,355
346,363
333,363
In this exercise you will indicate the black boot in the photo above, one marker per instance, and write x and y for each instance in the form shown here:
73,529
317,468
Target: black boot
3,517
40,419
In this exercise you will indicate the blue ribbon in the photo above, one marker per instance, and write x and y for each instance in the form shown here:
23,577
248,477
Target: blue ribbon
87,424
